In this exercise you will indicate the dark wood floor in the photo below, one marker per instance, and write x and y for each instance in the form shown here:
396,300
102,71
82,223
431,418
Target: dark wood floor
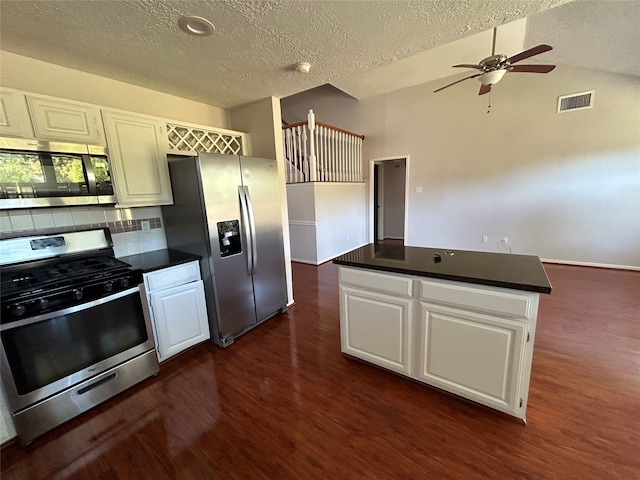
284,403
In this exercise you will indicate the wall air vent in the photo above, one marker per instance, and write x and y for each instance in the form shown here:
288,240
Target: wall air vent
575,101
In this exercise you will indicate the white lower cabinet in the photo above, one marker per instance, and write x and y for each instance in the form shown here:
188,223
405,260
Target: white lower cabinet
473,355
376,328
471,340
176,305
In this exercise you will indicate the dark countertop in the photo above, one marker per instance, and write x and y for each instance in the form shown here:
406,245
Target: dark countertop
519,272
159,259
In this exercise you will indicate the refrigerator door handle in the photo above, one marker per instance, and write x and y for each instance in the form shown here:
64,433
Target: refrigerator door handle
247,227
252,220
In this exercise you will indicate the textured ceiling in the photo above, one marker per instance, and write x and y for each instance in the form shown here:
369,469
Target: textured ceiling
255,44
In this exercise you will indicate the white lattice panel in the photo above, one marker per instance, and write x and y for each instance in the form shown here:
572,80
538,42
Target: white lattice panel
191,139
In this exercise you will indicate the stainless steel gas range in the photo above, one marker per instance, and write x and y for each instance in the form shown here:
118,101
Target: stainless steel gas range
73,329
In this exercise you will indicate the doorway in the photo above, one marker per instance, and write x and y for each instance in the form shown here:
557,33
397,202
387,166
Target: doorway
388,200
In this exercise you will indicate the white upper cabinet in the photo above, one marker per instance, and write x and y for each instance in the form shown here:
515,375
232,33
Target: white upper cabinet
58,119
138,152
14,115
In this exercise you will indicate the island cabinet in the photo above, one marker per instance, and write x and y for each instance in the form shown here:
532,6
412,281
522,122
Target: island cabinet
464,337
474,341
477,342
376,312
138,148
176,307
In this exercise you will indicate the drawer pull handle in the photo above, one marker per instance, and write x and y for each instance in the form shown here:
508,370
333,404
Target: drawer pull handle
96,384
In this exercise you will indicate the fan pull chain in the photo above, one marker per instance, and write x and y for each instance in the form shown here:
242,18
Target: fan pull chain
489,103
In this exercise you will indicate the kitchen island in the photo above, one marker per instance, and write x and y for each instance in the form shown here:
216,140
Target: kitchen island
457,320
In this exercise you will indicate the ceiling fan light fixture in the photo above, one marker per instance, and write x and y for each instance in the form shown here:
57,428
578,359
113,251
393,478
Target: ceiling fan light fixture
196,26
491,78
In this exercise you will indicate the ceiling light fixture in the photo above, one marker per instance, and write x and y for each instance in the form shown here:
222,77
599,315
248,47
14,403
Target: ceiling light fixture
303,67
491,78
196,26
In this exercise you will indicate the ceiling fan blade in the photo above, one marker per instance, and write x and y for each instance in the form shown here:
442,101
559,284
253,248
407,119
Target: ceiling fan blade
529,53
466,65
532,68
484,89
458,81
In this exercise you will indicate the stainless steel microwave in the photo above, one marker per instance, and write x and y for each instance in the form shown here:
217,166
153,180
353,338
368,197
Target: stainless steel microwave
36,173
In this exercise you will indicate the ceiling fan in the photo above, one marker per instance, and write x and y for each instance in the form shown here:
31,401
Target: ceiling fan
493,68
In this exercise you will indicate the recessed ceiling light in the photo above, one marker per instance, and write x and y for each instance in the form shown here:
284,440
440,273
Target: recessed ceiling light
197,26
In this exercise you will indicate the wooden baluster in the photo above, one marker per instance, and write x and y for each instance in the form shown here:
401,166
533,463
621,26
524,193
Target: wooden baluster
313,169
301,160
305,153
289,156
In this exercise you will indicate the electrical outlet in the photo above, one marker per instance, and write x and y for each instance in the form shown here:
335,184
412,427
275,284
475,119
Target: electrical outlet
485,239
505,240
145,226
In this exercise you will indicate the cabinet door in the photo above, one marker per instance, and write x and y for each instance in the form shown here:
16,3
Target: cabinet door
376,328
14,115
137,148
180,318
476,356
56,119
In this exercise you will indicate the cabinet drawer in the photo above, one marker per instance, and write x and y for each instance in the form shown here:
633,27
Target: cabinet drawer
395,284
172,276
480,298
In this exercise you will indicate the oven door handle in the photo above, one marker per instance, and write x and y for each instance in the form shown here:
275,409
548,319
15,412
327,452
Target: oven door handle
66,311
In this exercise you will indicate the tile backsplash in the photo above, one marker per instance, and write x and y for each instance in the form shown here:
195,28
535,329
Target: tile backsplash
128,226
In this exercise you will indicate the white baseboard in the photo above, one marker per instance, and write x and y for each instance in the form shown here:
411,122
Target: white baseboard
590,264
300,260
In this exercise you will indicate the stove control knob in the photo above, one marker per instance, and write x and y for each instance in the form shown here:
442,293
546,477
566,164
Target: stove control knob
42,303
108,286
124,282
17,310
77,294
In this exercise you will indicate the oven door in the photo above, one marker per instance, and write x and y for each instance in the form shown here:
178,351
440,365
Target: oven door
48,353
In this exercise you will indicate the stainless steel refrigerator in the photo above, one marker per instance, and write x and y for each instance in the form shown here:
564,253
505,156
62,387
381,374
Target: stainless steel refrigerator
227,210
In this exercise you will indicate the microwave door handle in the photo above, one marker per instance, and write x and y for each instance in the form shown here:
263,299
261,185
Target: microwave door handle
254,242
90,175
245,223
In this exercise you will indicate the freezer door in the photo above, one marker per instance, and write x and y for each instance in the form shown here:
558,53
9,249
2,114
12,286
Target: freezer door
221,187
260,179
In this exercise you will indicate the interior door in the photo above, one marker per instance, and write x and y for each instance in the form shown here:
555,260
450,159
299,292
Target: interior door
260,177
220,177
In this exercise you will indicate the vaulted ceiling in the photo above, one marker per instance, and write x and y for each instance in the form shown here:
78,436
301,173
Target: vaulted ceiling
363,47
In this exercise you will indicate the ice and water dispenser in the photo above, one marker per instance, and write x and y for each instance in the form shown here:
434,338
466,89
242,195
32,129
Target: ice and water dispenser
229,237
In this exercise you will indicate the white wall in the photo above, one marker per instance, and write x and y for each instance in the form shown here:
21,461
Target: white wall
35,76
302,222
326,219
262,119
560,186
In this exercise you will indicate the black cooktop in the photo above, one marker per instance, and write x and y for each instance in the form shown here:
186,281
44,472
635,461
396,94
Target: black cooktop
38,287
46,275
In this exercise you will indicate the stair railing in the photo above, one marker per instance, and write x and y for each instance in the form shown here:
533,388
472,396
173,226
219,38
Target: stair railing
317,152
